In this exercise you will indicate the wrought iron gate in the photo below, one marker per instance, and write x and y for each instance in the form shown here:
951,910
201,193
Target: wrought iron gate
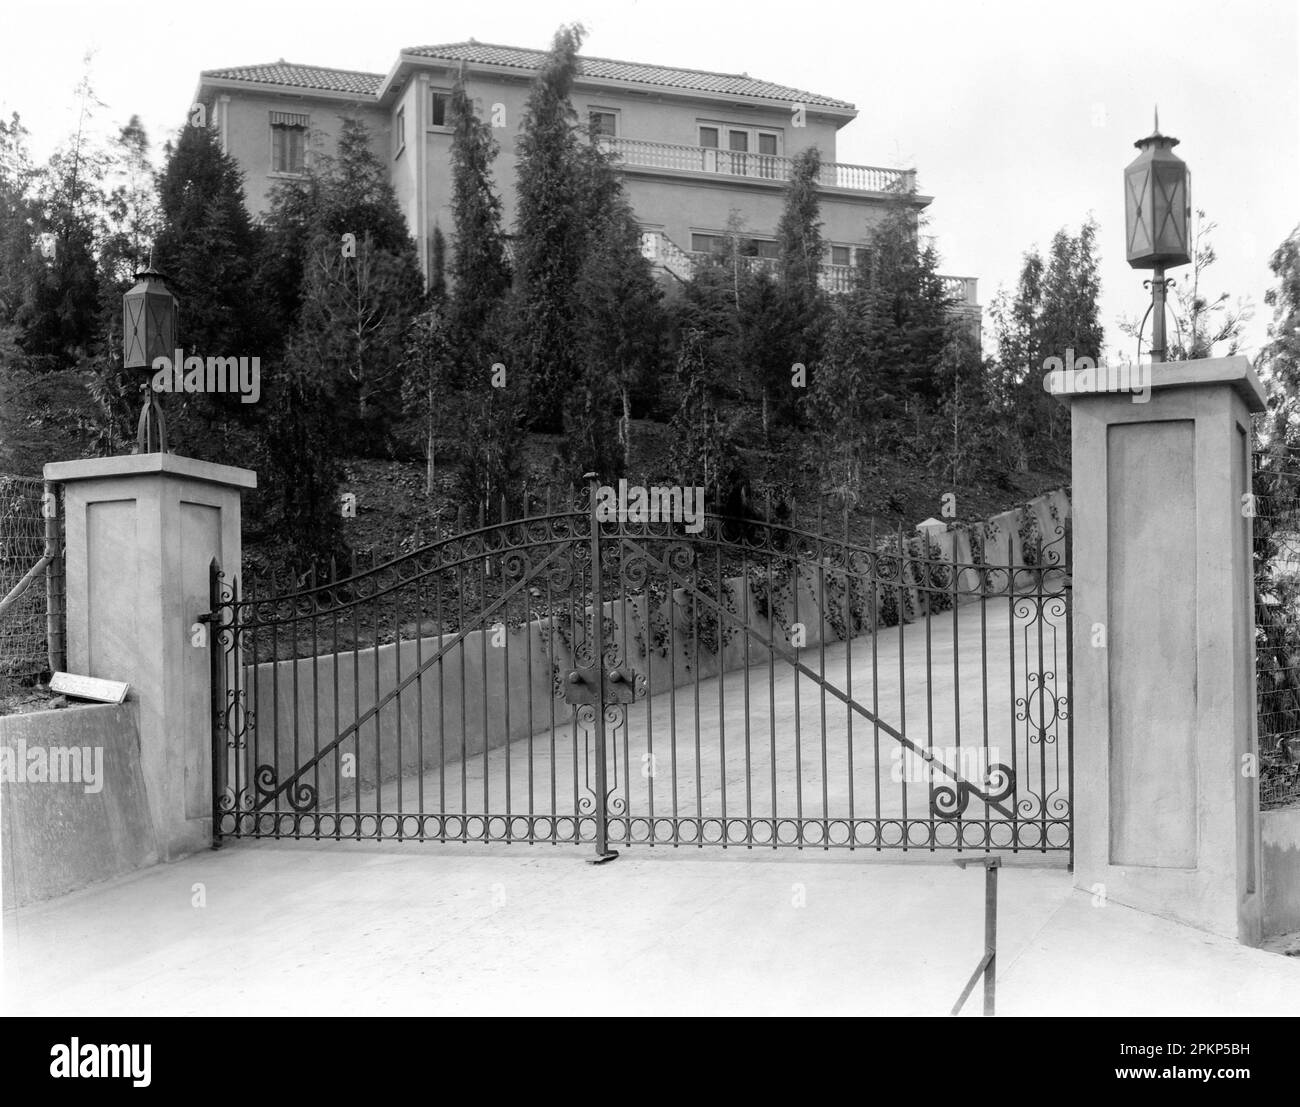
563,679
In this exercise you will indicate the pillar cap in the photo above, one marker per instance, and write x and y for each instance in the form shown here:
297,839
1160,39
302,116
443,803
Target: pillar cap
126,465
1234,371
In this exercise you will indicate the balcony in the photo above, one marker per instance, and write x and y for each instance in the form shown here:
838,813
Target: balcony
659,249
638,153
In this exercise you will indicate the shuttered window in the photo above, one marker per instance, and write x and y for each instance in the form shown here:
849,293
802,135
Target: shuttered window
288,142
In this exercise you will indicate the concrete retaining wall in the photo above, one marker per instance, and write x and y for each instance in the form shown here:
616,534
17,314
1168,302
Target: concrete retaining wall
58,837
1280,842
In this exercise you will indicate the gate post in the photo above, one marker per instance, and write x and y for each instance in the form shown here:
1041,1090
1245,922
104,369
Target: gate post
1163,695
141,533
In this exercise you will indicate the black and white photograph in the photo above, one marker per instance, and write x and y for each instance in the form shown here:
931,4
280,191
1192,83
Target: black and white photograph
559,509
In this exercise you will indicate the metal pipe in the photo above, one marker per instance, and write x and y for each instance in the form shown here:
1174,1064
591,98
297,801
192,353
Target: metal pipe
1158,320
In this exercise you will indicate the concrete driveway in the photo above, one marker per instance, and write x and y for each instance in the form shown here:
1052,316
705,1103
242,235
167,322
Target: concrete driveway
307,929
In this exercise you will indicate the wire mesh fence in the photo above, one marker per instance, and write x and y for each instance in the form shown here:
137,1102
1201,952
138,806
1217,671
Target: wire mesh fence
1276,505
31,620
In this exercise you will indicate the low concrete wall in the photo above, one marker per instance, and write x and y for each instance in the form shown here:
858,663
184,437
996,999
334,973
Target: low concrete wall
1280,848
58,837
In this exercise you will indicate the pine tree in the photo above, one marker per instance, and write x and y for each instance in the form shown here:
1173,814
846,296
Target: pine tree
298,463
620,325
801,304
361,285
1204,324
551,238
207,249
437,266
58,315
17,212
480,277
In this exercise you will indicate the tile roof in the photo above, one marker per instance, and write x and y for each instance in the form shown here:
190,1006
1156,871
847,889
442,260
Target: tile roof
664,76
303,76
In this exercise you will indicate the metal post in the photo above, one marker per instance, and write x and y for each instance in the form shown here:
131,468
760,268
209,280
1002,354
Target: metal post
54,637
988,963
603,852
990,932
1158,315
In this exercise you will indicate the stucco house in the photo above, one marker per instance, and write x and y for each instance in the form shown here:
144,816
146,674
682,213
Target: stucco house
695,146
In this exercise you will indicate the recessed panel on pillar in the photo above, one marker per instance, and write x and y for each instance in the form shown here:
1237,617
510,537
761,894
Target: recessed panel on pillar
1151,527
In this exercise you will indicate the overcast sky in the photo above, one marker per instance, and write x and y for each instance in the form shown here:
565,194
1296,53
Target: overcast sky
1019,117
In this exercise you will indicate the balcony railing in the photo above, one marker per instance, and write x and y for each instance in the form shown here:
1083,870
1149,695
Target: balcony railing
661,250
767,167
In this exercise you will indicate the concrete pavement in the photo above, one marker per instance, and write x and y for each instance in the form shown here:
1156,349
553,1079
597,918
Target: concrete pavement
311,928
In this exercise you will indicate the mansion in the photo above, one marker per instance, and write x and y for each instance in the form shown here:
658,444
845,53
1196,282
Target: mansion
698,150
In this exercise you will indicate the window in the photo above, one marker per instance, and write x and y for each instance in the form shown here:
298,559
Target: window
745,247
740,151
288,143
603,123
401,130
840,255
440,110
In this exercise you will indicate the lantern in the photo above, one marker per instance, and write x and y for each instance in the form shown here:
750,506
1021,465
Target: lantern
1157,219
1157,204
148,321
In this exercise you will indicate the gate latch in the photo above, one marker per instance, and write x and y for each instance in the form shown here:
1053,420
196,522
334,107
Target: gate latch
584,685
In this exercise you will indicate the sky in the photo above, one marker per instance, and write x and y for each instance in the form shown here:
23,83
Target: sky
1018,117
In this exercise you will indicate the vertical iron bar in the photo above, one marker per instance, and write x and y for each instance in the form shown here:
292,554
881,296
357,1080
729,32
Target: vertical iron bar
1067,594
1011,641
749,780
956,671
874,567
603,852
483,634
722,708
397,700
315,699
334,675
217,690
379,734
925,595
850,585
419,700
904,754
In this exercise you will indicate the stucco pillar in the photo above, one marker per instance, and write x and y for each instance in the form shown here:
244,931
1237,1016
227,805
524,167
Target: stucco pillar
1165,792
141,532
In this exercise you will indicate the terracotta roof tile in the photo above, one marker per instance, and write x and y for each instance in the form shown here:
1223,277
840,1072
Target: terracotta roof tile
664,76
303,76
